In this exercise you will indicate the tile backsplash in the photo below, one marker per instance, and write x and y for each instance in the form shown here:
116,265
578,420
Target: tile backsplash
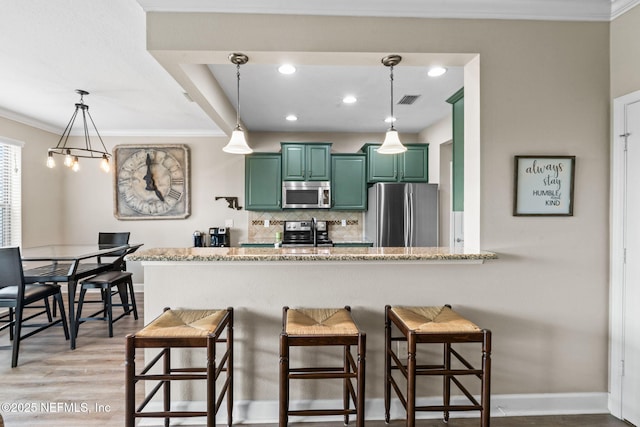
352,231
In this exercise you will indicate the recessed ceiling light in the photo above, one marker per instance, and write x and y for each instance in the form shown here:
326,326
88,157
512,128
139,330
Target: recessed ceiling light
287,69
292,117
349,99
390,119
436,71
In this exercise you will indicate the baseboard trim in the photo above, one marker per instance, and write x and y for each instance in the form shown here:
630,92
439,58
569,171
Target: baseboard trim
506,405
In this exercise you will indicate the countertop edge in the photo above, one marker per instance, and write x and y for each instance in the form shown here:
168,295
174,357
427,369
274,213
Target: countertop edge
347,254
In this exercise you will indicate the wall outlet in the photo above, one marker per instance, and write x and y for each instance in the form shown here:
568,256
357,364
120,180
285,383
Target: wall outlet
266,223
228,223
344,222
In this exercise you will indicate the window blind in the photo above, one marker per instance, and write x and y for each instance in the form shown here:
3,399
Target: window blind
10,192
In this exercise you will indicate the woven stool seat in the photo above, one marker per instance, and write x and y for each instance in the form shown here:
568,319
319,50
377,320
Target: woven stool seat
183,324
433,319
320,321
435,325
327,327
211,330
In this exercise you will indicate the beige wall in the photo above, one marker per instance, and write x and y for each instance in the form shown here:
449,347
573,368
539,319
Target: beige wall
42,188
625,53
544,90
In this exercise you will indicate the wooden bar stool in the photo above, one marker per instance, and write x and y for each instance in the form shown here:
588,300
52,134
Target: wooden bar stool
435,325
323,327
182,329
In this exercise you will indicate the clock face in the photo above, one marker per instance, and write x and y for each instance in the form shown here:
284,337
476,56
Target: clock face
151,182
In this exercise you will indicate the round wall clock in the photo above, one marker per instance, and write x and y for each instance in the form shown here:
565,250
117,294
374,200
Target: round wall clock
151,181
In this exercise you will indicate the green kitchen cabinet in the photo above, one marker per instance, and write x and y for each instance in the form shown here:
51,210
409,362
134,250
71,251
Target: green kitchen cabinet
263,182
457,104
353,244
410,166
349,182
308,161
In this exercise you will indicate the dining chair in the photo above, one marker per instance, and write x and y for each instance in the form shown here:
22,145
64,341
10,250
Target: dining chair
18,296
114,239
110,283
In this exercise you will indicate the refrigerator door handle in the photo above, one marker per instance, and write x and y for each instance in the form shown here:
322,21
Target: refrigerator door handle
410,224
407,219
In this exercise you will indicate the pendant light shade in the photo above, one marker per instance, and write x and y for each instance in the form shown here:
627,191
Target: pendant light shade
238,142
391,144
72,153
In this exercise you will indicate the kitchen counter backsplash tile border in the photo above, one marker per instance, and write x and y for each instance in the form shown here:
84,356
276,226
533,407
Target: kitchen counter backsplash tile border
353,231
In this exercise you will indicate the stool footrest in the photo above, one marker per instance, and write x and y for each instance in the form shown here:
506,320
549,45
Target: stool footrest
322,412
170,377
172,414
442,408
320,376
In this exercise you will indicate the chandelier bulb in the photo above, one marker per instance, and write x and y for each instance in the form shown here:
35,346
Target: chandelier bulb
50,162
104,164
68,160
75,166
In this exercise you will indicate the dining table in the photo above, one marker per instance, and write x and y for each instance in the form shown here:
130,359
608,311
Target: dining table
70,264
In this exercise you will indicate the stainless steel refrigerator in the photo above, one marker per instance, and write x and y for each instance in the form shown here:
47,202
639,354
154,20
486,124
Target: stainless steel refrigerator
402,215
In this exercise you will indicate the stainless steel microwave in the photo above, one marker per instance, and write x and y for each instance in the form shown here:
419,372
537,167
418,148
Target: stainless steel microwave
306,194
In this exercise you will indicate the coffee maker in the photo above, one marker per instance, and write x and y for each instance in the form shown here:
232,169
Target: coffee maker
219,237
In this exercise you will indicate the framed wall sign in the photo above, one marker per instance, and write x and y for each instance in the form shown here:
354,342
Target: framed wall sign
151,182
544,185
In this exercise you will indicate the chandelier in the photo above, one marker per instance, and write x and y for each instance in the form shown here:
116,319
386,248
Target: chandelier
73,153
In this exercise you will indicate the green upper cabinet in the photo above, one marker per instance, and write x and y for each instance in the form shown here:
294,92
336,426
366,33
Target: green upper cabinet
348,183
263,182
310,161
410,166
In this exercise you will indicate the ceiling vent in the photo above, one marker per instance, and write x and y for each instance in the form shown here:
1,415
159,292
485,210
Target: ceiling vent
408,99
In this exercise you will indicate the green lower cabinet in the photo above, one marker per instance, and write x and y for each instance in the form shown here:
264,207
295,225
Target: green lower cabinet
348,183
353,244
263,182
257,245
410,166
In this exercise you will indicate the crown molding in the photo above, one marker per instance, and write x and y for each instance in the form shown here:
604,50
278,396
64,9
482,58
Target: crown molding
565,10
619,7
178,133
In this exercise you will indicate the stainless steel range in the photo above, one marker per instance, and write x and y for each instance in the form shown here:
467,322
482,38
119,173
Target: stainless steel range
306,234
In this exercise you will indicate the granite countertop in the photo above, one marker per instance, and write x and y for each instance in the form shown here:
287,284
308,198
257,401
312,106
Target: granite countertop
309,254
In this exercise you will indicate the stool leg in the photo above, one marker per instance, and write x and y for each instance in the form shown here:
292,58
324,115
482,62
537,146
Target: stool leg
284,380
362,351
345,387
230,369
83,293
109,310
387,365
446,379
133,299
486,379
211,381
130,384
411,380
167,385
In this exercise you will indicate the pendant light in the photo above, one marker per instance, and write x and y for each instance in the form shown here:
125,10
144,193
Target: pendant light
72,154
238,143
391,144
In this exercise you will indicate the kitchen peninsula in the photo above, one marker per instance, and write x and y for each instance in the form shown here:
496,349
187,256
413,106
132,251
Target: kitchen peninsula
258,282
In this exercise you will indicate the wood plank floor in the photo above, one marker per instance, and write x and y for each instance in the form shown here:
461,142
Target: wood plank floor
85,387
